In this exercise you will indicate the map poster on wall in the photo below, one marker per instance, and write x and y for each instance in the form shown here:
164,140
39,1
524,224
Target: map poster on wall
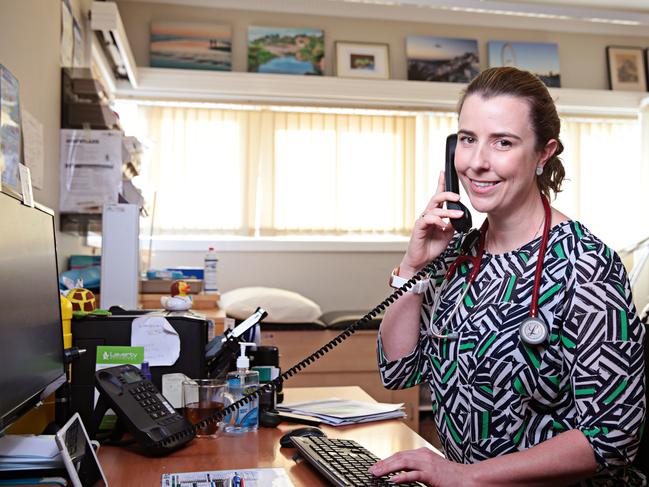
10,135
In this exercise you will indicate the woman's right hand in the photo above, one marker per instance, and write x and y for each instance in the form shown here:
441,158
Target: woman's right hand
431,233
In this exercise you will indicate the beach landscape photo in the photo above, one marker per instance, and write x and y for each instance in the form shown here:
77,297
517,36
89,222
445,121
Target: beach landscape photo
442,59
539,58
191,45
285,50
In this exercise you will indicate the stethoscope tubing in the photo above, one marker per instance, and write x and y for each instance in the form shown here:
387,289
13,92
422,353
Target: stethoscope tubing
477,261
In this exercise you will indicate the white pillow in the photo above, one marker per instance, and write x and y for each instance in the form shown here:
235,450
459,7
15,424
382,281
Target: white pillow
283,306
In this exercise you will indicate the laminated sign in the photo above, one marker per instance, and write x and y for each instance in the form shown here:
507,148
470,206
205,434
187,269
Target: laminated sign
91,169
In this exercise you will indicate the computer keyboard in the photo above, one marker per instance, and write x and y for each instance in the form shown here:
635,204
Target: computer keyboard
343,462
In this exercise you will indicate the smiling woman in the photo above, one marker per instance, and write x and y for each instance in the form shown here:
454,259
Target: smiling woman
514,347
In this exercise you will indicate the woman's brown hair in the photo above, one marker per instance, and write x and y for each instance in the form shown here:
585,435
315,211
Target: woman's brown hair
543,114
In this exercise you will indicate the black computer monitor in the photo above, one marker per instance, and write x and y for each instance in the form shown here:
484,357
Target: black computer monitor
31,337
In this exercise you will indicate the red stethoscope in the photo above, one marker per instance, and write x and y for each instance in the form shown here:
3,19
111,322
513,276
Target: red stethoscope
533,330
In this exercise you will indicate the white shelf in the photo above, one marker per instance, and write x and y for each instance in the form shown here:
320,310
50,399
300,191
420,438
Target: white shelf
214,86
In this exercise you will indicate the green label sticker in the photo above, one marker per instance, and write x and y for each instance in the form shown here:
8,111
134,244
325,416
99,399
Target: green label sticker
120,355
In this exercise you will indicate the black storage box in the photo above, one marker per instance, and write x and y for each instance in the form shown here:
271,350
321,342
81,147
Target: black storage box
93,331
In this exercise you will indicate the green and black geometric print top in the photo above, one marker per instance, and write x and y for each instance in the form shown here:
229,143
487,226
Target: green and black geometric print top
492,394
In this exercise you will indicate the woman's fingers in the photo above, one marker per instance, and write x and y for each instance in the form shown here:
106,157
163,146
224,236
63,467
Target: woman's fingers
442,213
441,195
419,459
438,199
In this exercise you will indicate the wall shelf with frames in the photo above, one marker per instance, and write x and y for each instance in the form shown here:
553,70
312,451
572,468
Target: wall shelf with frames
235,87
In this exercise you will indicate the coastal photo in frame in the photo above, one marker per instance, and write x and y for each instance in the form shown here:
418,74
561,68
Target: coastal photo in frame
191,45
626,68
356,60
442,59
285,50
539,58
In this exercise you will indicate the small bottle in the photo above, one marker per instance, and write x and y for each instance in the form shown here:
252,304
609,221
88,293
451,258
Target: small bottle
146,370
242,382
209,272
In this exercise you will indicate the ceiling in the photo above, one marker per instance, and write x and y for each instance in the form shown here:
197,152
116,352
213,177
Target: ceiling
628,17
640,6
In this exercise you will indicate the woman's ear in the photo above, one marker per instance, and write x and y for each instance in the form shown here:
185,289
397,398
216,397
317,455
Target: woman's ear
548,151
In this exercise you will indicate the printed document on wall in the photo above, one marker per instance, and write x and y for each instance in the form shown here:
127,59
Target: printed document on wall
33,148
91,169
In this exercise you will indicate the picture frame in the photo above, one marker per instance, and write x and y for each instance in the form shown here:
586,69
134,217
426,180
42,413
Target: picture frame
646,66
362,60
626,67
204,46
540,58
286,50
446,59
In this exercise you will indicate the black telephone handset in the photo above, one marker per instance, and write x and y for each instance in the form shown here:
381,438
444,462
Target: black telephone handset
142,409
451,183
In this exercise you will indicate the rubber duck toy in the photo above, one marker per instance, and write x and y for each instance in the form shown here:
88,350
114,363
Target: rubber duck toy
179,300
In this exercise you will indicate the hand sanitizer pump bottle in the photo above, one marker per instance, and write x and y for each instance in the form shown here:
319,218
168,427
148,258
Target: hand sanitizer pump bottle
241,382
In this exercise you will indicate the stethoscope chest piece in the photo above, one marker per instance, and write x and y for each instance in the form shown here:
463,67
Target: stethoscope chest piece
533,331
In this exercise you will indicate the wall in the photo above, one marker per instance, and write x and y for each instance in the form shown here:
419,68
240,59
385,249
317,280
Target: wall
334,280
29,47
582,56
347,280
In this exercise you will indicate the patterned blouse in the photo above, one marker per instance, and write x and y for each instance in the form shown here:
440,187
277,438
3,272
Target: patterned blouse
492,394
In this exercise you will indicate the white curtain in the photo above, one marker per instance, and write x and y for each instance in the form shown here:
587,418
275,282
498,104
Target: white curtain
272,172
605,185
277,171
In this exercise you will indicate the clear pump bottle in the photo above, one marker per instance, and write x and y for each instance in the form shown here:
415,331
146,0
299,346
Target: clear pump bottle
209,272
242,382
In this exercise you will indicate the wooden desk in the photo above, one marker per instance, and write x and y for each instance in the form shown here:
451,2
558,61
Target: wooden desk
126,466
353,363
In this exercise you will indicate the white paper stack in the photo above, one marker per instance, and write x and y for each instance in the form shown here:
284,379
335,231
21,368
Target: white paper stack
28,452
338,412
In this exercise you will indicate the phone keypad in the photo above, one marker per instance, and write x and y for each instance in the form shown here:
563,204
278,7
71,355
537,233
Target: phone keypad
146,395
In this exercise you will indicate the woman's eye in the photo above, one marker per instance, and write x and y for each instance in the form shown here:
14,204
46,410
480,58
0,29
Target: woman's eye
503,144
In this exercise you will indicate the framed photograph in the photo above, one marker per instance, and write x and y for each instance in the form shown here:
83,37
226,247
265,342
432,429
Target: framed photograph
356,60
646,66
626,68
539,58
442,59
285,50
191,45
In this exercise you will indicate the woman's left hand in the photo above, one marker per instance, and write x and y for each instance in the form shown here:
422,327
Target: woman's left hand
422,465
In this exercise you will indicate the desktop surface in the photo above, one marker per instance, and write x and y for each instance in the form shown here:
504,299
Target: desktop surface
128,466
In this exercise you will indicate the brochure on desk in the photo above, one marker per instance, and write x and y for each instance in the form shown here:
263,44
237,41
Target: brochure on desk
252,477
338,412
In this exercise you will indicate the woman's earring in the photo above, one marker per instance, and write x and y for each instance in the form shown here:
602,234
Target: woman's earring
539,170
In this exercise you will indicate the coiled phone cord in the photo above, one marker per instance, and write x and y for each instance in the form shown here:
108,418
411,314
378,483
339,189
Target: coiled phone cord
334,342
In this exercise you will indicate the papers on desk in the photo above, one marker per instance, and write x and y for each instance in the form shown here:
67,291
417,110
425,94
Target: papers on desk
339,412
252,477
28,452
